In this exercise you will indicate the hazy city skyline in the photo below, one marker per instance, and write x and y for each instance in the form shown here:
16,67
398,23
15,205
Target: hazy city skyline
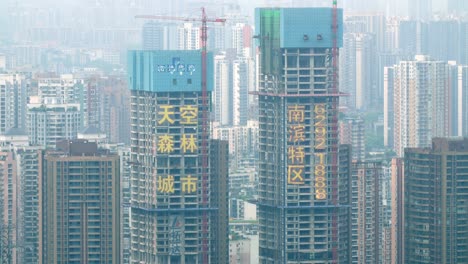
268,132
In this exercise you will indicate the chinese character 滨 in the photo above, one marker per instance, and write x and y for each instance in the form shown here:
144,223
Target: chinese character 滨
167,111
296,133
189,184
188,143
166,144
188,114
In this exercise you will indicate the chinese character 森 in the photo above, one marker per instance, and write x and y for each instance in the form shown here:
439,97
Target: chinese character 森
166,144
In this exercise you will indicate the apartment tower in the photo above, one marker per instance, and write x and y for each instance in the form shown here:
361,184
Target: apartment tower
420,96
81,203
303,204
435,206
175,207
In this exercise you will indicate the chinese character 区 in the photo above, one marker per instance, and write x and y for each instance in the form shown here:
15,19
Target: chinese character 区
189,114
188,143
166,144
166,185
295,174
189,184
296,154
296,133
296,113
166,114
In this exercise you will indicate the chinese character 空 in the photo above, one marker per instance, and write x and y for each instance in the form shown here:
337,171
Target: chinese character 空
167,112
188,114
296,154
166,144
189,184
296,113
188,143
297,133
166,185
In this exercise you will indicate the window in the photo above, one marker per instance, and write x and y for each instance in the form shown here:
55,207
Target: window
174,81
189,81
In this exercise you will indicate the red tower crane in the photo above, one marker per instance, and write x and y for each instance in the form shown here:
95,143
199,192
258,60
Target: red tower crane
205,115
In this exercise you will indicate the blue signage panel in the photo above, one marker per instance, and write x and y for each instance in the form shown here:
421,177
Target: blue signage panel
309,28
168,70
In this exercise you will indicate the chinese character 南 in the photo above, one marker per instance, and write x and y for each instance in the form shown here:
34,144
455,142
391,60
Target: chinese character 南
296,113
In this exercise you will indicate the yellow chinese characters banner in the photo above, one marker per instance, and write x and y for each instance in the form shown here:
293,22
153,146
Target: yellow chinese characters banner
296,136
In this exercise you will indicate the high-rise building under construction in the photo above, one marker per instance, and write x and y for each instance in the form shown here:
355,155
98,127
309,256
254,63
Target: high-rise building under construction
304,176
178,198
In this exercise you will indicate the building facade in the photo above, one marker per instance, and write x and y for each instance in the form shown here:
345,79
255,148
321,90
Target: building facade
174,200
435,213
51,121
366,212
303,204
420,96
222,99
352,132
358,74
243,143
219,181
14,93
398,213
81,220
459,101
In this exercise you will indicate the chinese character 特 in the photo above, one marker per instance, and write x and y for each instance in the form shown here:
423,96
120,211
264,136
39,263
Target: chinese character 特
188,143
296,113
297,133
166,144
166,185
188,114
295,174
296,155
167,111
189,184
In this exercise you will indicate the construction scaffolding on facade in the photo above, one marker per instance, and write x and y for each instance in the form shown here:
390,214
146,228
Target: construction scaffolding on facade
303,192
